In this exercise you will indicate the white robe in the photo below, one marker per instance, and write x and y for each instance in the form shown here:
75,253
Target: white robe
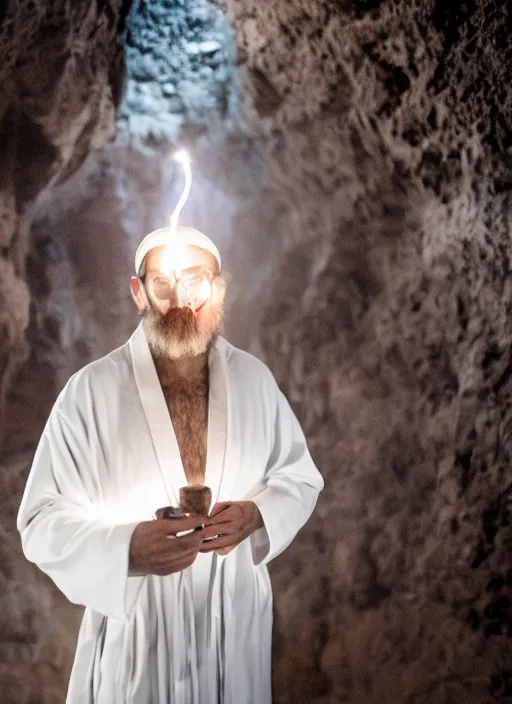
107,459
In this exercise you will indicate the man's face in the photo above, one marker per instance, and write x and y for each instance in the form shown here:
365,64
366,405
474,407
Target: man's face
181,318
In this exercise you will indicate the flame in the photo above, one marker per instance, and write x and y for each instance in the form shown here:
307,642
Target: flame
175,254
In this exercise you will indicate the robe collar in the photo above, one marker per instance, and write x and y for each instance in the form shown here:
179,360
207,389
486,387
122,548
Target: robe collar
160,425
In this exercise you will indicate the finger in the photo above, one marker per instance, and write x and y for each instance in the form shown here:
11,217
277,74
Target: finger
183,542
227,515
222,542
172,566
224,518
172,526
220,506
212,532
175,546
169,558
175,562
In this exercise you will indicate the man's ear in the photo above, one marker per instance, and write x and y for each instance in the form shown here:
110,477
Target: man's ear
219,290
136,291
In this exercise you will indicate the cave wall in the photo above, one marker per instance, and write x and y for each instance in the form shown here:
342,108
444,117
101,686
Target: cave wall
358,155
61,81
389,127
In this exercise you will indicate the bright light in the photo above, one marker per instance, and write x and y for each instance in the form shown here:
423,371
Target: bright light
175,256
183,158
135,504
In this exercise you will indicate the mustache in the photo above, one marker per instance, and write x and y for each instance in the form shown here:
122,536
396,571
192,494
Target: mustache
179,332
178,322
178,315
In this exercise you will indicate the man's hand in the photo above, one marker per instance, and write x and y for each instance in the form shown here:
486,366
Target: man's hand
232,522
155,549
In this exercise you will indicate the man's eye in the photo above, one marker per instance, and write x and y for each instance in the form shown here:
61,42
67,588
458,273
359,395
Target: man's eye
193,281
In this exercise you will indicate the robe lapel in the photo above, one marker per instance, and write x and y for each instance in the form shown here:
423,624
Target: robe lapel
161,428
217,421
232,457
157,415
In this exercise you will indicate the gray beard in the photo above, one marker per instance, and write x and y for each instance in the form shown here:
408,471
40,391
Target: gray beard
176,335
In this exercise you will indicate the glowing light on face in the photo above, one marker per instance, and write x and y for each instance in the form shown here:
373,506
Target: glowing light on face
174,258
205,290
179,275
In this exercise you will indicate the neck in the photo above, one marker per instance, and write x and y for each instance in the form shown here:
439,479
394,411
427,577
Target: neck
186,369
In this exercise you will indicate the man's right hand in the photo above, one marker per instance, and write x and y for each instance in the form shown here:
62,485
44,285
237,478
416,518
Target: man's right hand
155,549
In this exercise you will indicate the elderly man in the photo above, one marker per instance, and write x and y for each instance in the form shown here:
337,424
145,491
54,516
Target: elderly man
178,611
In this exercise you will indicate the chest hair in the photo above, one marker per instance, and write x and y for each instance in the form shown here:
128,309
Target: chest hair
187,402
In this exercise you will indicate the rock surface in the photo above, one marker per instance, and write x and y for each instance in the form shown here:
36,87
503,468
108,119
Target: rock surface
366,169
390,330
61,80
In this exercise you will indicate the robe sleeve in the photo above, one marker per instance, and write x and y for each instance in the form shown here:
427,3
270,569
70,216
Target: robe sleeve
85,557
290,490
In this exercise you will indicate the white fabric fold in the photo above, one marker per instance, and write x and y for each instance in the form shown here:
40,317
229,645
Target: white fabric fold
107,459
86,558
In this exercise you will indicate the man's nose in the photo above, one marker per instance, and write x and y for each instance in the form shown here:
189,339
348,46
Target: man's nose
174,298
178,296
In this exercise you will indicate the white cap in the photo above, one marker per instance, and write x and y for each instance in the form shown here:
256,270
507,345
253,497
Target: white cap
162,236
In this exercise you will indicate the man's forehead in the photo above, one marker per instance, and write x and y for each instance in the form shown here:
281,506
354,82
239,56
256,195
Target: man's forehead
189,256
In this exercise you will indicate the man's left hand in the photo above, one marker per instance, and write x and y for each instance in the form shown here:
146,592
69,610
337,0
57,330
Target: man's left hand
232,522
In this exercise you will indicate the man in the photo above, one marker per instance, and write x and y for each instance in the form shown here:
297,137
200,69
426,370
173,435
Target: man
173,615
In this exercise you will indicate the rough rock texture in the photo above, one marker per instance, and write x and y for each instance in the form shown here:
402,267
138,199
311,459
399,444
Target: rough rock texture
61,78
180,70
390,329
367,169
